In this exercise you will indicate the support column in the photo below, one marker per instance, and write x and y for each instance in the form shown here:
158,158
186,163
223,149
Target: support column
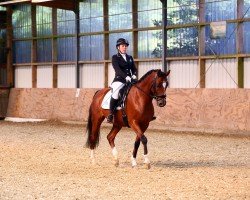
201,39
106,41
239,44
54,46
33,47
77,22
9,45
135,32
164,35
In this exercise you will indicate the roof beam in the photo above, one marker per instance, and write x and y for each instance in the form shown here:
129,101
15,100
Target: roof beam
62,4
14,2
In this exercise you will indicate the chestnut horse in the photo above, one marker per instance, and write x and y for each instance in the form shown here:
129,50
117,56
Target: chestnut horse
139,109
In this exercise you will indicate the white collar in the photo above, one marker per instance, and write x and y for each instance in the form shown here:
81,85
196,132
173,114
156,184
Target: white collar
124,56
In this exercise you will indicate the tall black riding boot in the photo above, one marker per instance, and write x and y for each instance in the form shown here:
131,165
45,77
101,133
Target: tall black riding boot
113,104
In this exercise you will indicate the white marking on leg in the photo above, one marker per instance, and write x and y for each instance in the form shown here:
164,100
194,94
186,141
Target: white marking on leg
115,153
133,160
92,156
146,160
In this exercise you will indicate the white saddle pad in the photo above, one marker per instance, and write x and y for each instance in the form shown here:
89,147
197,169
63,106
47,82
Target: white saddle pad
106,101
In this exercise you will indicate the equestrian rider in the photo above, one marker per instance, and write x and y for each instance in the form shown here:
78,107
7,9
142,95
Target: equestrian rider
125,71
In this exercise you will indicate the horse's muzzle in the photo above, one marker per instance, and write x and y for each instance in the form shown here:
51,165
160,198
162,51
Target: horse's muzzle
161,101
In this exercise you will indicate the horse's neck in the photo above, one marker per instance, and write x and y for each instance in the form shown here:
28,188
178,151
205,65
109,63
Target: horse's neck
146,84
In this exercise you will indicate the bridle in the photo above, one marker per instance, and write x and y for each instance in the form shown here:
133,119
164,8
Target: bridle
153,85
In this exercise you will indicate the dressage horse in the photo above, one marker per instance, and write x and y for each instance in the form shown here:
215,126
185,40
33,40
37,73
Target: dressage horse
139,109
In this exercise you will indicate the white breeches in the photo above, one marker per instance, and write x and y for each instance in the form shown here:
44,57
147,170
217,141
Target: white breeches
116,86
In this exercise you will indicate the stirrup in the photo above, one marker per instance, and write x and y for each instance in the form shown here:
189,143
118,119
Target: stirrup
110,118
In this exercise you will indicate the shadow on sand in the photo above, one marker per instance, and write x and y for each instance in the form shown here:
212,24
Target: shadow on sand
195,164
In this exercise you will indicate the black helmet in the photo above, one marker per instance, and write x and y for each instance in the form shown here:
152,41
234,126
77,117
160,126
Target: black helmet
121,41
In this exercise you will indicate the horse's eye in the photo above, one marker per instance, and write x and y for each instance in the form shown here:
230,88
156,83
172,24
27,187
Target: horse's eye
159,85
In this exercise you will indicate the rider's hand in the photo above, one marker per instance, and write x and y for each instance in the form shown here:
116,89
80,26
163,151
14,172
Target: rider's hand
134,77
128,79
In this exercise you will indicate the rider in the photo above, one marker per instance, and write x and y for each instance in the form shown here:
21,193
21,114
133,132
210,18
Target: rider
125,71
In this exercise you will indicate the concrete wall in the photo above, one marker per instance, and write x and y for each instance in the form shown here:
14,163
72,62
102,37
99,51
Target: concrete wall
224,109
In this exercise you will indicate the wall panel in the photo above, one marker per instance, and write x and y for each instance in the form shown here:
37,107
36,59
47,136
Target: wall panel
247,73
184,74
221,73
3,76
23,77
205,109
44,77
66,76
92,76
144,67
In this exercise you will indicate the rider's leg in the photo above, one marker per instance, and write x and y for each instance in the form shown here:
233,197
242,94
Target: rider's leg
113,104
116,86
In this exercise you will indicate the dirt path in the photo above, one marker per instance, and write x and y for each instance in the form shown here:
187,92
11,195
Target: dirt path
48,161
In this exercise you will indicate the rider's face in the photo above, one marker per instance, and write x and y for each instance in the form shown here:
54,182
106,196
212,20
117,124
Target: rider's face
123,48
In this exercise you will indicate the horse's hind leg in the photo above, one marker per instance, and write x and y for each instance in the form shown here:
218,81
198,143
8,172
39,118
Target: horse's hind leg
111,138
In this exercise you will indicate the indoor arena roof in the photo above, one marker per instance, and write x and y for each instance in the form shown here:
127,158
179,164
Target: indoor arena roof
63,4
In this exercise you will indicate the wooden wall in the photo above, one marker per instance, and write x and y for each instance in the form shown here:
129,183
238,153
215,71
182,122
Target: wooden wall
4,98
222,109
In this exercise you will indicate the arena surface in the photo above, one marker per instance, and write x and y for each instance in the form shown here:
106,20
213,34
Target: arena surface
48,161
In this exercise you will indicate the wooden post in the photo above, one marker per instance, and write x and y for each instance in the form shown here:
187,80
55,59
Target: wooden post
201,35
33,47
10,69
54,47
164,35
77,23
239,44
135,32
106,41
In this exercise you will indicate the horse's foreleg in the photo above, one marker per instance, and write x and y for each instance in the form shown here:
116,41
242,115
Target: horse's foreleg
136,146
144,141
111,138
140,134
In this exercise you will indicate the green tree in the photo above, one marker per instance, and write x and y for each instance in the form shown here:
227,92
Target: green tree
182,41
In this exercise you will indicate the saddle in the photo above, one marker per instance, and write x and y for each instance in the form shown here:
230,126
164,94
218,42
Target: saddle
123,93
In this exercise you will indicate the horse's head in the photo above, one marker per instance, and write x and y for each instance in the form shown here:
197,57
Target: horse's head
159,86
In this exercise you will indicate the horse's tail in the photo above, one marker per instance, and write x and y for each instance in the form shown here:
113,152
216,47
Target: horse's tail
93,136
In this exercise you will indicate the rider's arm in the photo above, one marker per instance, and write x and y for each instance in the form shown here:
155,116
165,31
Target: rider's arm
134,70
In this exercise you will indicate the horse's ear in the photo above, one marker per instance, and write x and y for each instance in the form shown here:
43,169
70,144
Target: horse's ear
160,73
168,72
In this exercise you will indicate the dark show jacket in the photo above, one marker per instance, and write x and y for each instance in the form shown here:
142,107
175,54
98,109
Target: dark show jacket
123,68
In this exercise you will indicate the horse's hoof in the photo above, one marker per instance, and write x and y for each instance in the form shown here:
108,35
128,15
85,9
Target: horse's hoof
117,163
134,166
147,165
93,162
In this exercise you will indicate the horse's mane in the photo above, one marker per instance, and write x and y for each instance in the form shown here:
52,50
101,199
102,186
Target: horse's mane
147,74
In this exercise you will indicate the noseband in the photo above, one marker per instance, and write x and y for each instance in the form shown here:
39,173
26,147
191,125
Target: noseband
154,96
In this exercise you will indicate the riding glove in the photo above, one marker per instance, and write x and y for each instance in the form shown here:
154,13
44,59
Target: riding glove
128,79
134,77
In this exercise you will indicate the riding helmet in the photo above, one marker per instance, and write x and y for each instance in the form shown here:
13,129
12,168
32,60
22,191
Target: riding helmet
121,41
